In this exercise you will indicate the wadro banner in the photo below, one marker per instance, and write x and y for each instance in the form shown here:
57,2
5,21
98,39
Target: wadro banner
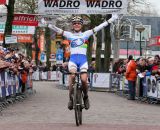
82,6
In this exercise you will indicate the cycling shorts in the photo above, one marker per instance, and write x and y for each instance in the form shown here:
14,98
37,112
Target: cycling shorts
78,62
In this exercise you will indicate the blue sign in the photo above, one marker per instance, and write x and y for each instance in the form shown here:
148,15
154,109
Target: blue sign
59,56
43,57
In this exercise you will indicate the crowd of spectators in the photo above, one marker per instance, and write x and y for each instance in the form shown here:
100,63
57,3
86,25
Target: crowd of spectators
143,67
15,63
146,66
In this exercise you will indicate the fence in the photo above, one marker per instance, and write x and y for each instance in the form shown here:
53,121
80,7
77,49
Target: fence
10,90
109,81
49,75
149,85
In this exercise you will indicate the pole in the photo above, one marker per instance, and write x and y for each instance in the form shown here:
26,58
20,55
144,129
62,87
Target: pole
140,45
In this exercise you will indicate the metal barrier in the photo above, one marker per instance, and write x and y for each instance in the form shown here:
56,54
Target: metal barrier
10,88
46,76
110,81
115,81
150,86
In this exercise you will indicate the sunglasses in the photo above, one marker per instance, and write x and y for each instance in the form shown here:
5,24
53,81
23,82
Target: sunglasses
76,23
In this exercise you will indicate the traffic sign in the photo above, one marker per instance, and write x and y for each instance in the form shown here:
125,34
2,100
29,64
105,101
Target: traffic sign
43,57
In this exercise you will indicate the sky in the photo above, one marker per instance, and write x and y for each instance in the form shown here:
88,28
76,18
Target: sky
155,4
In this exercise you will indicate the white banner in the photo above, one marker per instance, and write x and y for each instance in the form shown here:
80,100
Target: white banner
82,6
44,76
52,75
101,80
35,75
11,39
152,87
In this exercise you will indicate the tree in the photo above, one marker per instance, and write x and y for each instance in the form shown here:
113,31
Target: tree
141,8
26,6
95,20
48,45
29,7
10,17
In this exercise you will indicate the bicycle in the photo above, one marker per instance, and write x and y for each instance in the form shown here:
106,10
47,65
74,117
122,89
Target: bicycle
78,95
77,100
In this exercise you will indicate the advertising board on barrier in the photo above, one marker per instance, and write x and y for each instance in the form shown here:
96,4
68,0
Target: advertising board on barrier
82,6
35,75
101,80
123,84
158,87
152,86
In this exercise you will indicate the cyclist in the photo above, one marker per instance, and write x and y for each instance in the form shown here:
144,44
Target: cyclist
78,58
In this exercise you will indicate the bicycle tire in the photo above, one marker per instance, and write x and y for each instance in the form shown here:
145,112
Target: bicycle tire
75,106
79,95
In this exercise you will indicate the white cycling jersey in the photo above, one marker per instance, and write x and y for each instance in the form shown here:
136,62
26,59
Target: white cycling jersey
78,40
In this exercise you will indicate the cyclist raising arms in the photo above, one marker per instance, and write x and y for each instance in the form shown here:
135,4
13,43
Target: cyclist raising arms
78,58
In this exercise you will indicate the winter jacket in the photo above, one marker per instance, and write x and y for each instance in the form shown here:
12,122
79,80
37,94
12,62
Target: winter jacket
131,73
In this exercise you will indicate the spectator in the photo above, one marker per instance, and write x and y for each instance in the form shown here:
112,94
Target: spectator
142,69
131,76
54,67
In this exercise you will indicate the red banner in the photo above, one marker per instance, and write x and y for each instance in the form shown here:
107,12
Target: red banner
25,38
25,20
2,2
22,38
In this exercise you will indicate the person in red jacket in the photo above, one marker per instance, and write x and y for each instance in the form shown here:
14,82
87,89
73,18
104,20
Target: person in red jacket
131,76
24,80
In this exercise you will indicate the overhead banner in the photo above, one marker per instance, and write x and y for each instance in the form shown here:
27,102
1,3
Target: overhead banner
25,19
2,2
82,6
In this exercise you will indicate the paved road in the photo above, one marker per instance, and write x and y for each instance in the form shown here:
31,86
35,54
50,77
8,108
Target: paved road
47,110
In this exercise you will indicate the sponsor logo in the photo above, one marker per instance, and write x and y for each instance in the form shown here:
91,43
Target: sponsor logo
77,42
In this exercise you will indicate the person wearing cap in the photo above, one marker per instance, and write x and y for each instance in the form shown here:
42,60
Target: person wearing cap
78,49
131,76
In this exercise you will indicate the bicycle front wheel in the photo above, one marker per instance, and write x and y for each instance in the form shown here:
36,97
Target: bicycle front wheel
79,95
78,105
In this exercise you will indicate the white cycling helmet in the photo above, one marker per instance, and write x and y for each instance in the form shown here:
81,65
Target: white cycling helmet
77,19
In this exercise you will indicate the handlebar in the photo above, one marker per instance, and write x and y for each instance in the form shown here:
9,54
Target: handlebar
70,73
